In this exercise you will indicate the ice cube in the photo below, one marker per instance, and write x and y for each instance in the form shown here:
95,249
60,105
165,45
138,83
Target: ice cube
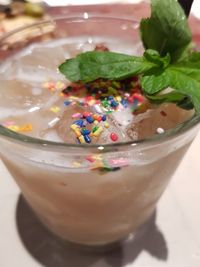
44,56
100,132
157,120
37,64
71,49
63,127
17,94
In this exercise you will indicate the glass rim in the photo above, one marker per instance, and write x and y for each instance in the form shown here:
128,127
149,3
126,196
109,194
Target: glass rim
24,139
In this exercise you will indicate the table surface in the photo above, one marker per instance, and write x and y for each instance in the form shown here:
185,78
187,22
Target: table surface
173,239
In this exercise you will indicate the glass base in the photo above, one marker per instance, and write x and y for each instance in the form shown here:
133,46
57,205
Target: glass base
102,248
36,228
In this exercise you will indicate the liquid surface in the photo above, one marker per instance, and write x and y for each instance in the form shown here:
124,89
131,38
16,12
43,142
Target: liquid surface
32,101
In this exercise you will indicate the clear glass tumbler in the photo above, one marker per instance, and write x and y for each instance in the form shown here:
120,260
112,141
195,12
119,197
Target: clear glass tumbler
68,186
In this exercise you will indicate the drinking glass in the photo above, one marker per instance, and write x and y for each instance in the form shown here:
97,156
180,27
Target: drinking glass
69,187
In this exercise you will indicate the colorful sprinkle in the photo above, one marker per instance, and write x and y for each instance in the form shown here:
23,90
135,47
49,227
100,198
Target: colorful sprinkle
114,104
55,109
114,137
87,139
160,130
118,98
8,123
76,115
67,102
86,114
105,103
124,103
79,123
97,157
95,116
104,117
94,128
53,122
127,95
81,139
112,91
139,97
104,96
59,85
89,119
119,162
97,165
116,84
106,124
14,128
99,118
90,159
77,133
74,127
92,102
26,128
98,131
163,113
49,85
85,131
76,164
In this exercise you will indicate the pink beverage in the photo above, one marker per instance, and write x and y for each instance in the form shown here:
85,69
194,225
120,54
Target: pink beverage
91,163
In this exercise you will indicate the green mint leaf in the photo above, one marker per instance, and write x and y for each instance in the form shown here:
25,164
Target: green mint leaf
190,66
167,30
182,78
92,65
182,53
154,57
155,81
70,68
172,97
167,61
186,84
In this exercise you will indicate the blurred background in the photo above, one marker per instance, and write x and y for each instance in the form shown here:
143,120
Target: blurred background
16,13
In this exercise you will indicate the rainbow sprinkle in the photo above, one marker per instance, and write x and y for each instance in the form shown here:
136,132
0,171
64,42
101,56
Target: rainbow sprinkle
55,109
111,95
105,97
82,133
16,128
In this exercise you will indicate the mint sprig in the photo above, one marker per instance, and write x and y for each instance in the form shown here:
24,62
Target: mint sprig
166,62
167,30
92,65
184,77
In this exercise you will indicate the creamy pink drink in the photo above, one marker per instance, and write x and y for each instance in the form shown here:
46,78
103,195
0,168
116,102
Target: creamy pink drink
78,154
